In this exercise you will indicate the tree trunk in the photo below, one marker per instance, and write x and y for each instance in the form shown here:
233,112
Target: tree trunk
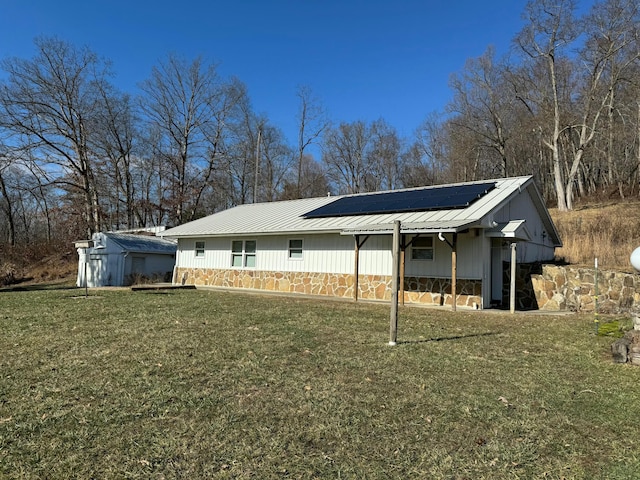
9,212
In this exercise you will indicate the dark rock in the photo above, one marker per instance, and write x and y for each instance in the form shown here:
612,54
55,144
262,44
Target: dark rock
620,350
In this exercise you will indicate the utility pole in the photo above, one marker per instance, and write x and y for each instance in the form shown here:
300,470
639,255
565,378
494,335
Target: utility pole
257,169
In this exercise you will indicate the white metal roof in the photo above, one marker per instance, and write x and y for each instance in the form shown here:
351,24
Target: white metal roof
515,229
275,218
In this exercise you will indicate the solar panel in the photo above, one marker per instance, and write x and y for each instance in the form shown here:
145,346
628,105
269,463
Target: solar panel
433,198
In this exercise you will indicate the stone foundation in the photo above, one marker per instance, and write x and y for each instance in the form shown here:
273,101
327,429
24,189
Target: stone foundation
428,291
437,291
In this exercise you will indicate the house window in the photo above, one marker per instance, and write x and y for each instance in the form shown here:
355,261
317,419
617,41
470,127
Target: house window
422,248
199,249
243,253
295,249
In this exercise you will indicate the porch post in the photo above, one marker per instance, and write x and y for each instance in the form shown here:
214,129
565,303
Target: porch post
403,248
454,271
512,286
395,251
356,267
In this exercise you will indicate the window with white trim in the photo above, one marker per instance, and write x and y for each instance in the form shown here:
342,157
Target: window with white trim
199,249
422,248
295,249
243,253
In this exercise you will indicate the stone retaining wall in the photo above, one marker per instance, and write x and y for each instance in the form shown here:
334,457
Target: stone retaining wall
428,291
556,288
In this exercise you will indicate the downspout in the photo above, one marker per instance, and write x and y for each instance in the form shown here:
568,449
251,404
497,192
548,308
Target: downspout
124,266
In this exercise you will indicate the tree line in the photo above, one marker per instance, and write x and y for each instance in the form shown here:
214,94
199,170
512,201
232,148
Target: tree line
77,155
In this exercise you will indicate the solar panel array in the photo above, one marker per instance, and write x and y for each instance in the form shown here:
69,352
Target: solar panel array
435,198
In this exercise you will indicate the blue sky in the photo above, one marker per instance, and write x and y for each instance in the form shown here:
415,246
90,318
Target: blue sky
363,59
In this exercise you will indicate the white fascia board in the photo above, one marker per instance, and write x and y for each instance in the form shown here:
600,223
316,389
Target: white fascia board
253,234
515,229
407,228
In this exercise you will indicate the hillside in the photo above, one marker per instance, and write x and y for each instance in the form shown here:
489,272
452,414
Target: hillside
609,231
37,265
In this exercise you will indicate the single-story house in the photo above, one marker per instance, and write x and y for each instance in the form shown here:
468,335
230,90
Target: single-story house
117,259
458,235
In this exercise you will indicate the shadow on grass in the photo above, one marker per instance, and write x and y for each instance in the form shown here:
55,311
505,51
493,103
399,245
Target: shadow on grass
34,287
443,339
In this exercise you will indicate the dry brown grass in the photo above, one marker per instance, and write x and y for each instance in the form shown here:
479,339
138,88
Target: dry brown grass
36,264
608,231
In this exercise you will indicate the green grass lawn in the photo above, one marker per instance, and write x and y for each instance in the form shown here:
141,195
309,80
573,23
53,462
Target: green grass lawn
203,384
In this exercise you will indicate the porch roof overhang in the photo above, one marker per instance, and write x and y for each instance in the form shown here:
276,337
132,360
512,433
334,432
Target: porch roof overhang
83,244
515,230
434,227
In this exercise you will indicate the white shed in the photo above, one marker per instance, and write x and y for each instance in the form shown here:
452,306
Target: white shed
117,259
458,234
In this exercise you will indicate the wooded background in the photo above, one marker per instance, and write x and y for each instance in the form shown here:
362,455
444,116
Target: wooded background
78,156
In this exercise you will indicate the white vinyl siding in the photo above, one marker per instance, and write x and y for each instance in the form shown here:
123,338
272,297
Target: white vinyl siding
469,253
321,254
334,253
540,246
375,255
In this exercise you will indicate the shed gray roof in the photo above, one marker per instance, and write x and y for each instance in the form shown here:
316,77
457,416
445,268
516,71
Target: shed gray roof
276,218
142,243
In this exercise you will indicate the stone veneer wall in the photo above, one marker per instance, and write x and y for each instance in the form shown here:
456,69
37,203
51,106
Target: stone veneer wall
429,291
558,288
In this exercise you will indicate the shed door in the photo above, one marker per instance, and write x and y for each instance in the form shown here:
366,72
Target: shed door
498,252
137,265
95,271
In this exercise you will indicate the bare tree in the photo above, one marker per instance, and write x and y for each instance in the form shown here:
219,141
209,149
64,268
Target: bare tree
113,143
344,153
611,53
47,104
384,157
427,161
6,204
181,101
312,123
484,106
550,29
276,159
241,170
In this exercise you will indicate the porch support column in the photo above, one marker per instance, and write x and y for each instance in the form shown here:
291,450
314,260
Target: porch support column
512,286
403,248
454,271
395,252
356,267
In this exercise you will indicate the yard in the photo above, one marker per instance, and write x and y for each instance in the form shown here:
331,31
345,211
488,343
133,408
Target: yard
204,384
